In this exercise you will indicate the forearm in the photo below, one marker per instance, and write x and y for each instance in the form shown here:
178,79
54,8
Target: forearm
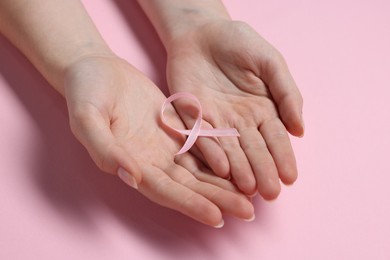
172,18
52,34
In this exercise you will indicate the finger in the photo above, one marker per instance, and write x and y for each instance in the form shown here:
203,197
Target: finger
215,156
160,188
286,95
279,145
203,174
227,201
240,168
210,148
93,131
261,162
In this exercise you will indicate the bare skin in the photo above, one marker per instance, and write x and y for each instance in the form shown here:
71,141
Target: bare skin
240,79
113,110
242,82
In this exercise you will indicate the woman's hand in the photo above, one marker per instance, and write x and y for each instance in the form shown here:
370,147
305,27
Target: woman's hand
114,112
242,82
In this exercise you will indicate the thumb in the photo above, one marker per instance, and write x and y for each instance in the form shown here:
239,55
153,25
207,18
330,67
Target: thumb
93,130
287,97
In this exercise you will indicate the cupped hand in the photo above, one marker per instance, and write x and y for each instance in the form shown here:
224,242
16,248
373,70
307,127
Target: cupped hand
114,112
242,82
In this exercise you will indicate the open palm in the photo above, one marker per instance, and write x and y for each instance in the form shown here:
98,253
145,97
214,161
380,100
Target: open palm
114,112
242,82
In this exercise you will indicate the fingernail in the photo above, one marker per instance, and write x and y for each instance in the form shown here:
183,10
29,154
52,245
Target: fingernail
221,224
127,178
250,219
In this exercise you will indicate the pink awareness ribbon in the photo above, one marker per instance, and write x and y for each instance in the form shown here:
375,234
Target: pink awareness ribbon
196,130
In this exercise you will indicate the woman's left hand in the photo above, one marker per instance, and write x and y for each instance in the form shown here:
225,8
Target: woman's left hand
241,82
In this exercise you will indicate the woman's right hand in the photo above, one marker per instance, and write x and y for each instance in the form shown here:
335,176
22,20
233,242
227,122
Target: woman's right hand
114,112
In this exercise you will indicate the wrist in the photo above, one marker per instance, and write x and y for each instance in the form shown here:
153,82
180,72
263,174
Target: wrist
193,20
193,35
56,70
174,19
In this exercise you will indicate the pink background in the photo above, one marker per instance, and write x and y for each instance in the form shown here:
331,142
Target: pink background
55,204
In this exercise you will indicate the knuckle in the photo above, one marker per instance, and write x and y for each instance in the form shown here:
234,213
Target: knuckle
278,134
241,26
274,129
250,146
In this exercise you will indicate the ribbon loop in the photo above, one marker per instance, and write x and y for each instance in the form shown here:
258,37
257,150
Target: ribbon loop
196,130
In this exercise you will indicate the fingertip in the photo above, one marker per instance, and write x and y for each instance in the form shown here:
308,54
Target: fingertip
294,124
215,157
247,185
251,219
211,215
220,224
270,191
135,169
200,209
127,178
303,127
221,167
271,197
290,109
289,179
243,208
248,212
251,196
125,161
288,172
